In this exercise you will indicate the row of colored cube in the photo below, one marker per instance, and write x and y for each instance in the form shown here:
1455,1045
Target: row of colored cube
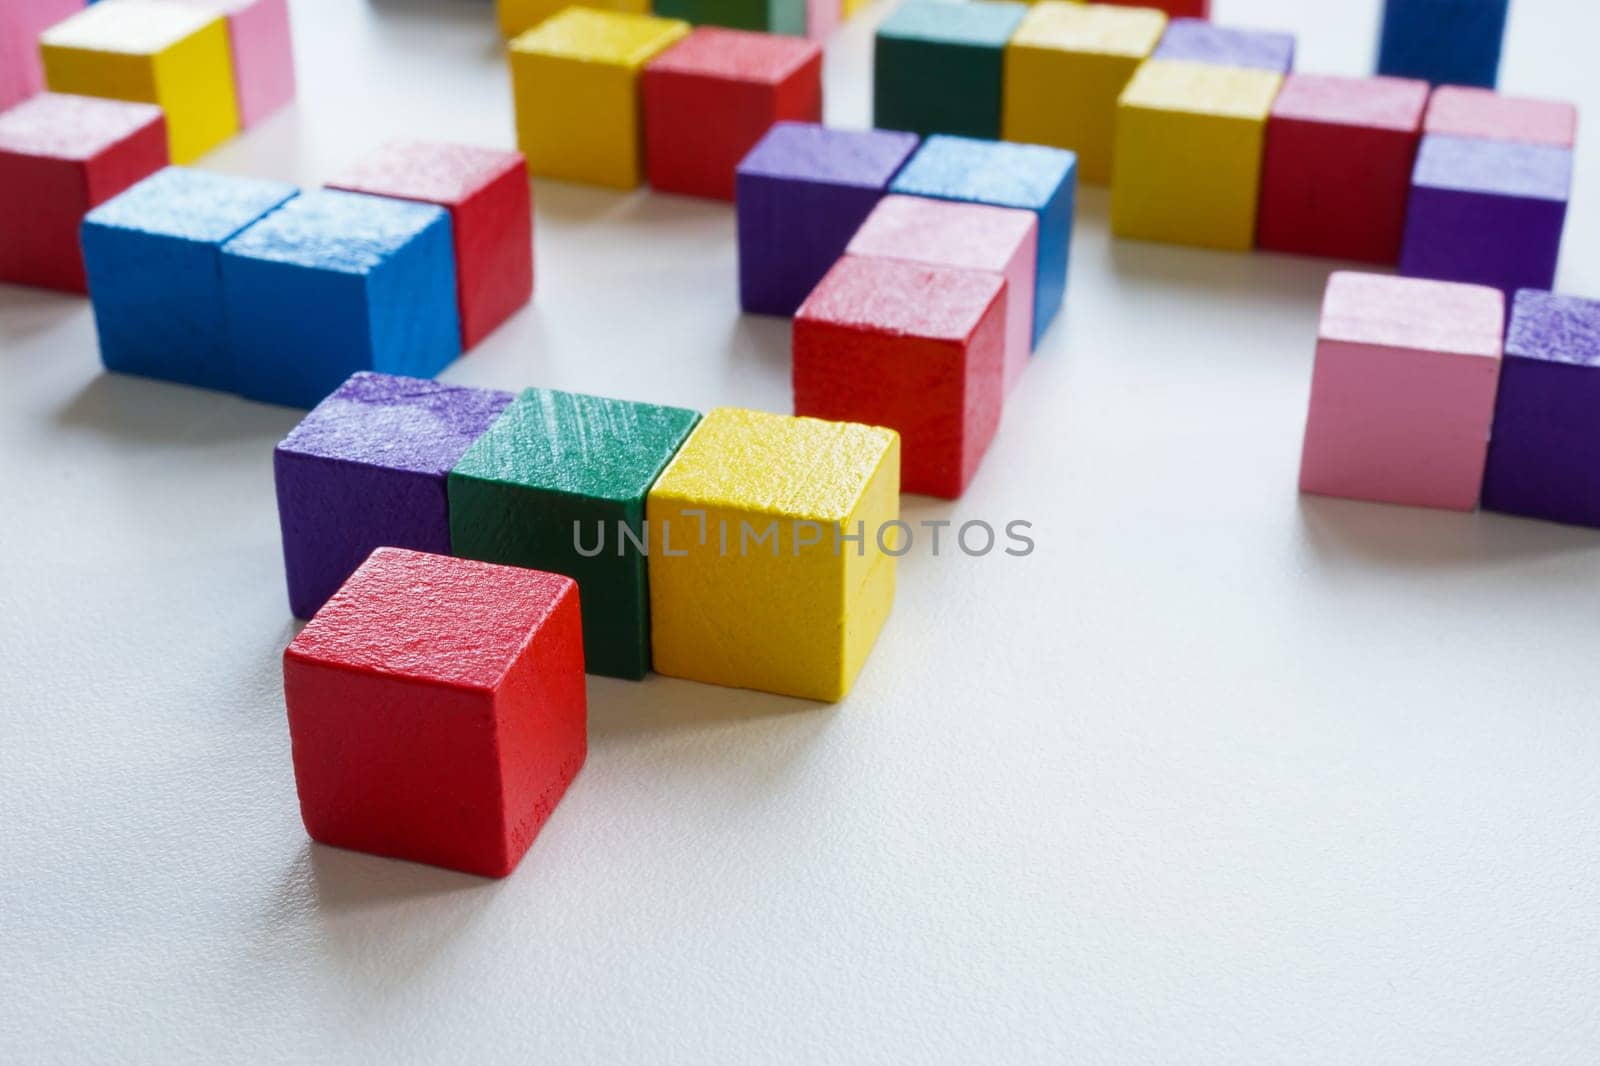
607,97
815,19
1415,399
740,549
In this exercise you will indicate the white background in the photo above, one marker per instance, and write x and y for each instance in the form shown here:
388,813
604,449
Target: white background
1219,775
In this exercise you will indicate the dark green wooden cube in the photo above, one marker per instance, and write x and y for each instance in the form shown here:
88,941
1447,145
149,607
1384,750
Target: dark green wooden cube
936,67
768,16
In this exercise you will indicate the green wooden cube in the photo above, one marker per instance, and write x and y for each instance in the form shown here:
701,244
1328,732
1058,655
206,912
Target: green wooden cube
768,16
936,67
557,483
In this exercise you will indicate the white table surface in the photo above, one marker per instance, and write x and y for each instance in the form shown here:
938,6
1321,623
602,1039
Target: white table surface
1218,775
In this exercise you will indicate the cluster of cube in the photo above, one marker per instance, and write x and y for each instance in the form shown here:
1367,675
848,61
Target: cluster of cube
920,278
1416,400
816,19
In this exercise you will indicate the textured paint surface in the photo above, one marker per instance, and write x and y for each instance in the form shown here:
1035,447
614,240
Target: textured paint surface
802,191
709,98
917,348
1039,179
1336,167
1403,391
561,471
1544,458
261,44
1200,41
21,22
1459,111
153,257
797,612
519,16
575,83
765,16
367,468
1446,42
437,710
937,67
491,216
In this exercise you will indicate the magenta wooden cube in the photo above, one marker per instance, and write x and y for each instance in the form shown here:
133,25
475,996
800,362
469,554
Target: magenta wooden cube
967,236
1402,394
1458,111
262,46
1544,459
1203,41
491,215
21,22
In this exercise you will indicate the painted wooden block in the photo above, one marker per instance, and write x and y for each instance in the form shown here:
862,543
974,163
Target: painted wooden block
1459,111
558,483
1085,53
1403,391
1200,9
822,18
1201,41
575,82
764,16
942,233
154,262
937,67
335,282
487,194
156,52
368,467
1027,176
1544,458
919,349
437,710
1188,153
803,191
1454,42
768,570
1489,212
851,7
1336,169
60,156
21,23
519,16
709,98
261,45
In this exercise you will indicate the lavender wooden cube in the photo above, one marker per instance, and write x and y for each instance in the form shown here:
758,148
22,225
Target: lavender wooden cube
1487,211
1544,457
802,193
367,468
1202,41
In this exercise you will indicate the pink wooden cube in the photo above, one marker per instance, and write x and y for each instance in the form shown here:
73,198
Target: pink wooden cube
21,22
1458,111
263,54
997,240
822,18
1402,396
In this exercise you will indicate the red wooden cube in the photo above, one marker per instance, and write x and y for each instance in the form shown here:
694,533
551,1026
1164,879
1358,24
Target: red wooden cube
60,156
491,215
437,710
1336,169
917,348
709,98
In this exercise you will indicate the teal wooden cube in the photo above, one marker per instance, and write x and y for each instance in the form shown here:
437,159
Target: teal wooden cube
937,67
767,16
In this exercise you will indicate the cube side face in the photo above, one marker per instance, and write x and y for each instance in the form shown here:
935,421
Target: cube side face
869,572
577,120
128,162
518,16
936,87
1507,242
493,234
1035,76
42,200
790,233
328,330
22,72
195,87
1446,42
261,44
1220,156
765,16
1544,458
411,304
1200,9
1055,250
90,72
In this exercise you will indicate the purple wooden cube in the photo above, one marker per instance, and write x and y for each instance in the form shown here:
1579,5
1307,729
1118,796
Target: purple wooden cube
803,191
367,469
1489,212
1544,457
1201,41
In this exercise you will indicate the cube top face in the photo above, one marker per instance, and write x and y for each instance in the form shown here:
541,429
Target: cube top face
1459,111
984,25
1202,89
974,236
737,55
340,231
997,172
193,205
1554,329
1201,41
1429,316
396,423
423,170
77,128
1375,103
1130,32
130,27
1501,168
454,622
899,298
615,38
578,445
782,465
806,151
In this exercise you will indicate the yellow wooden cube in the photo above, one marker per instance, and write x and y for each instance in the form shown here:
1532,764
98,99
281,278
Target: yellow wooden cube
1187,163
768,567
518,16
173,55
1064,69
575,79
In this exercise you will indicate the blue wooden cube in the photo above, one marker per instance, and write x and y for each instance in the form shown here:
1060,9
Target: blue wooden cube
154,261
335,282
1039,179
1447,42
937,67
